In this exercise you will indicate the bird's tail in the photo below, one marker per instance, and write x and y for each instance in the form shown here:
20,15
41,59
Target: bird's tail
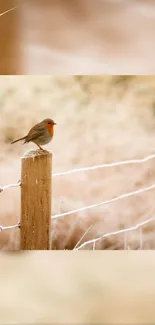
24,138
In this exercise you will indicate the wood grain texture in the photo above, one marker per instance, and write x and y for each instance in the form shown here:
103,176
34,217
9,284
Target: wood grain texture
36,201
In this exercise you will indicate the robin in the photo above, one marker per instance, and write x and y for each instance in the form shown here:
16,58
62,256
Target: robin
41,133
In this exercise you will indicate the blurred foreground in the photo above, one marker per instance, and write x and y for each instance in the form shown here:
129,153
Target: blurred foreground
101,119
77,288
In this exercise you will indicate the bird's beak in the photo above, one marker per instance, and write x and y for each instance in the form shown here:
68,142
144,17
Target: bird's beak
55,123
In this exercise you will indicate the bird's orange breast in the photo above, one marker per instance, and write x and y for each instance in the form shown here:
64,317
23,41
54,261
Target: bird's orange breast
50,129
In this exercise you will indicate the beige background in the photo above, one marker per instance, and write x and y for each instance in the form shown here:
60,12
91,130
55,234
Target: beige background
76,36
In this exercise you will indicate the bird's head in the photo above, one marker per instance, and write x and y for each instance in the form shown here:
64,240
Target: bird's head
49,124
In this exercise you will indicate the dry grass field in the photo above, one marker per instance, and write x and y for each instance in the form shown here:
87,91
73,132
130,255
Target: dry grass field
101,119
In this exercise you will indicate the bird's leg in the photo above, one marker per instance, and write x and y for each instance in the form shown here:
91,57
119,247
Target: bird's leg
41,148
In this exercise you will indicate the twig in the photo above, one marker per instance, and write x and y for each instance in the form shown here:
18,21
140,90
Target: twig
11,9
83,236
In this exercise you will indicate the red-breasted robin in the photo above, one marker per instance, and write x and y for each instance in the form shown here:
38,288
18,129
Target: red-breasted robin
41,133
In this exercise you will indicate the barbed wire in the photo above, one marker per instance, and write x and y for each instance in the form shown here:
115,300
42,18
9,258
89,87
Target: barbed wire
59,215
93,241
2,228
113,164
5,187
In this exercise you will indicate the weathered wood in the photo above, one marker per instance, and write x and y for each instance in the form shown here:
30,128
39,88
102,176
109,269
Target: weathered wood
36,196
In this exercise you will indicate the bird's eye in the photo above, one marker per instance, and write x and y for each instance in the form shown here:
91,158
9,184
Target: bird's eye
49,122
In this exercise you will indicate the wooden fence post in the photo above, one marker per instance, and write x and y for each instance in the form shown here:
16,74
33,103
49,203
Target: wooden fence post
36,179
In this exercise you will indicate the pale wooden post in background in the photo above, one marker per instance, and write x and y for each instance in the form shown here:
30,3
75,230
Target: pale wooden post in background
10,38
36,179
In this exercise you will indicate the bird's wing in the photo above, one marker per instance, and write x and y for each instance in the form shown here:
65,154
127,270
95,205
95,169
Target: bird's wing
37,131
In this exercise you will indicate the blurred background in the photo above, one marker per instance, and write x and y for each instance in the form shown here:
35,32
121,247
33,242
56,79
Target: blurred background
101,119
76,36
